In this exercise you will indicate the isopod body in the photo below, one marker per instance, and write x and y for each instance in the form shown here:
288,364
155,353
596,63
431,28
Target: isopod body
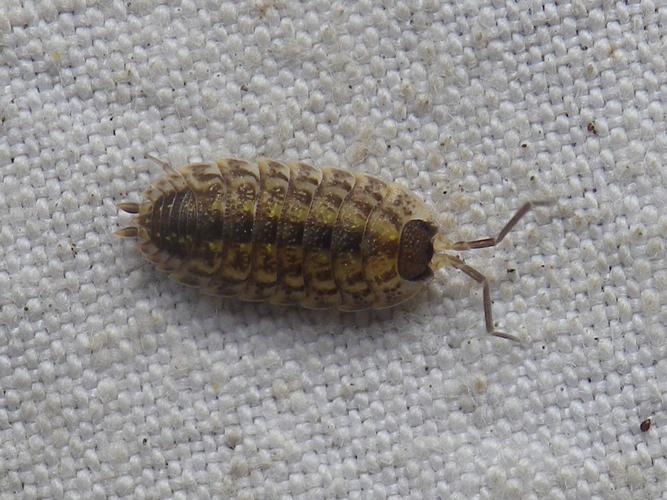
290,233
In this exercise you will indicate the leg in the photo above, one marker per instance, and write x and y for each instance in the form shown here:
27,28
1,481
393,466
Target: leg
490,242
169,170
165,165
481,279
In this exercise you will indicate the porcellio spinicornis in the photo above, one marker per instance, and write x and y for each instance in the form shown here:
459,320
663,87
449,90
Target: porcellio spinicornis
290,233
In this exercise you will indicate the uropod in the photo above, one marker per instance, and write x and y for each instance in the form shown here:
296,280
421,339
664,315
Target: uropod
290,233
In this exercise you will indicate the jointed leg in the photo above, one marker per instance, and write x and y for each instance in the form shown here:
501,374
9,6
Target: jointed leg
490,242
166,166
171,171
481,279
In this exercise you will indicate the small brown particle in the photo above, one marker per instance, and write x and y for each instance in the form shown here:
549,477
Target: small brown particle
645,425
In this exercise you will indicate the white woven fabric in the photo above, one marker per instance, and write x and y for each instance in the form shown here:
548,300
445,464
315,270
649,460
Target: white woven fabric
116,382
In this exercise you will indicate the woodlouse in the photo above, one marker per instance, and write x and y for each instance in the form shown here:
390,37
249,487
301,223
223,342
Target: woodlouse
290,233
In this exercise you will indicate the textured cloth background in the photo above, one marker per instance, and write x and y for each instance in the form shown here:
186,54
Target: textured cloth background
116,382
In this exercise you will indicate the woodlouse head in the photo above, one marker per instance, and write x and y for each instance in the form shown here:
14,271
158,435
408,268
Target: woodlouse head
415,251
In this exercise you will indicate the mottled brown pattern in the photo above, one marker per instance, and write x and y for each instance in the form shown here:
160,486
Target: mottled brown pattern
285,233
273,188
303,184
348,243
321,290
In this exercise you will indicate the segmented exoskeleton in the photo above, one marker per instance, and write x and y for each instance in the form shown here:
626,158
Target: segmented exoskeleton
290,233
